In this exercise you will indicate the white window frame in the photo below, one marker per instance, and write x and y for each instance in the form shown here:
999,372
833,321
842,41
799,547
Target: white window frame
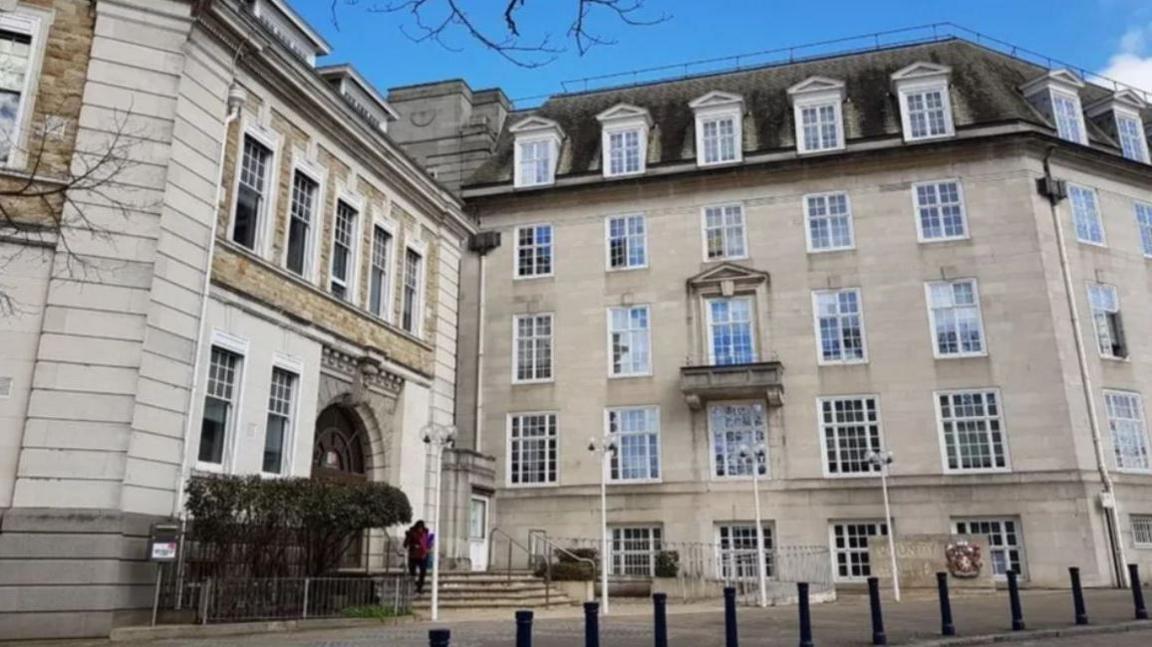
882,531
1111,333
812,249
288,442
944,457
1120,115
554,439
873,471
420,248
1018,546
742,570
238,346
553,148
916,207
818,101
628,242
265,219
752,325
720,113
516,275
1143,213
908,88
936,352
766,467
34,23
1141,537
516,347
1139,402
388,298
655,540
318,175
611,346
1099,217
1053,93
820,359
642,149
356,203
724,212
652,412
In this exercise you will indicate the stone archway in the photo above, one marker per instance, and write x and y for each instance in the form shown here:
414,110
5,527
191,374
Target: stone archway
341,446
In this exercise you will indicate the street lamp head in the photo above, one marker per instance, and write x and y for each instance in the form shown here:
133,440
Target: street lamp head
591,444
880,459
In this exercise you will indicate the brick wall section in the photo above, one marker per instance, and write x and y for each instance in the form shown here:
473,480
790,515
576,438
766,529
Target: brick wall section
266,281
58,97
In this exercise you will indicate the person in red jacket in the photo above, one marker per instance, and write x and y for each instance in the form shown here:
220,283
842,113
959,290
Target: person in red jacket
417,541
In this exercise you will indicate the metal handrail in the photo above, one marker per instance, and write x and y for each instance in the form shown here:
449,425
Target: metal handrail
548,561
527,551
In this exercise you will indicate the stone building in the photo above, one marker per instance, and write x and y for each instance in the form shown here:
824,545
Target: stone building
932,249
272,291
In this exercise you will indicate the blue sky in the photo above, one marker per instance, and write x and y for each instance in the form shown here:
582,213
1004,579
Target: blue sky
1113,36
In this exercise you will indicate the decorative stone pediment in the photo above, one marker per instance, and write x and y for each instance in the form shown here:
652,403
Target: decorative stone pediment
816,85
716,99
363,372
1064,79
727,278
1124,99
625,112
535,124
921,70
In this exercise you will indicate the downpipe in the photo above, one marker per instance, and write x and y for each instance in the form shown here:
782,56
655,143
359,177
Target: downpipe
1111,512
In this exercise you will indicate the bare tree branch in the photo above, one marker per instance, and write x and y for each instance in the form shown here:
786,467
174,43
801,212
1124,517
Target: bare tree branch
50,207
436,20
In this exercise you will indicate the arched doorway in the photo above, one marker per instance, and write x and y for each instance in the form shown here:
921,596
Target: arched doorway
340,447
338,453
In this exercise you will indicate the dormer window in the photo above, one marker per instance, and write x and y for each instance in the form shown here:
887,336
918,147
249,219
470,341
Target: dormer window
624,139
1119,115
1057,96
719,138
816,104
537,148
925,104
290,29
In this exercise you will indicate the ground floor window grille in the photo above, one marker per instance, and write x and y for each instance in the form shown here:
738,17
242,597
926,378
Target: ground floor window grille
1142,531
737,551
634,551
850,547
1004,545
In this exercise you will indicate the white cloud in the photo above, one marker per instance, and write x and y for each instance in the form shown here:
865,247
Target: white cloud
1133,63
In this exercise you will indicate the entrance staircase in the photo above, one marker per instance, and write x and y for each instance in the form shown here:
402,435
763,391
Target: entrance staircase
491,590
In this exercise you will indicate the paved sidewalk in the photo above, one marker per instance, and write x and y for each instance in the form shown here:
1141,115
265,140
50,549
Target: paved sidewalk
846,622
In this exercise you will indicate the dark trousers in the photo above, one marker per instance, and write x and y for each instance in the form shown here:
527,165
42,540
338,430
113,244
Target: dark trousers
421,566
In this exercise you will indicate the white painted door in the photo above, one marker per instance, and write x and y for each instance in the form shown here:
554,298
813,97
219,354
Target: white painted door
478,533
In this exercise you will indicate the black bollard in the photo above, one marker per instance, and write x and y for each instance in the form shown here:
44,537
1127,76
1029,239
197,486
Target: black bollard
439,637
523,629
1137,592
591,624
1014,602
805,615
1078,596
878,635
730,636
946,626
660,619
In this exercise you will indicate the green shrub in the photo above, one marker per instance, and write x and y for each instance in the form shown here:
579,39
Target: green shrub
254,526
576,555
569,572
667,563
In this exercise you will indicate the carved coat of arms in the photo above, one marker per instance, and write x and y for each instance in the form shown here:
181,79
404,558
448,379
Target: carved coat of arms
964,560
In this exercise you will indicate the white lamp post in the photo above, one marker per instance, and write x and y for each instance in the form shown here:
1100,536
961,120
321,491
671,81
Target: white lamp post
883,460
756,454
606,447
437,437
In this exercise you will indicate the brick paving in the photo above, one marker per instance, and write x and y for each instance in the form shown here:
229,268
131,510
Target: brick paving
845,622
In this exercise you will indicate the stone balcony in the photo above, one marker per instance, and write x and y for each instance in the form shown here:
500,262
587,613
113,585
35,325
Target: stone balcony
758,380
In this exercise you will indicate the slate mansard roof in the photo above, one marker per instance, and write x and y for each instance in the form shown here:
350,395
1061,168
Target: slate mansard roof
984,86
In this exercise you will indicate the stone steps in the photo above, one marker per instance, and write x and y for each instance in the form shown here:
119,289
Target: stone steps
521,590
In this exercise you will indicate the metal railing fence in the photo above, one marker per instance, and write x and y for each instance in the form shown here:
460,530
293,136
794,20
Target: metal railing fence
299,598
